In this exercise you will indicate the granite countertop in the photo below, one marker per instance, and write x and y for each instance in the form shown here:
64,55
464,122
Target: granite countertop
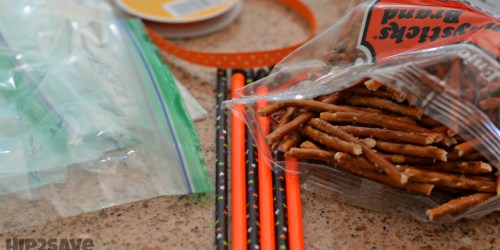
186,222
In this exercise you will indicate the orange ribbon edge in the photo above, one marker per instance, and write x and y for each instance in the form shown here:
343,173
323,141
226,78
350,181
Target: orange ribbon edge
238,59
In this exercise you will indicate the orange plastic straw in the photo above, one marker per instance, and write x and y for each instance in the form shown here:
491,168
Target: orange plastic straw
238,179
266,202
294,205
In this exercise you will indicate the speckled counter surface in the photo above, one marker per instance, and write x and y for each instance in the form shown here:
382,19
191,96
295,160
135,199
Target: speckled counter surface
186,222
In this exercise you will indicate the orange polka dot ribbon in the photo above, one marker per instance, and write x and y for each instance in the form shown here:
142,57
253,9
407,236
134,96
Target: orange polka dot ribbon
239,59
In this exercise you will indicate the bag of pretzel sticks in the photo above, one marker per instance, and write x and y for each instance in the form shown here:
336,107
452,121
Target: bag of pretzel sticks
394,107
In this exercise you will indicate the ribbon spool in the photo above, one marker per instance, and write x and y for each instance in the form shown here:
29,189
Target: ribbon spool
239,59
198,28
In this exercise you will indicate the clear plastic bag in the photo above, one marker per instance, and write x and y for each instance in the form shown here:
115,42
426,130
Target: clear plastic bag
91,117
438,59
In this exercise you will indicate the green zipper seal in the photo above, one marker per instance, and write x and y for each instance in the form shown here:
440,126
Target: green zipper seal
176,110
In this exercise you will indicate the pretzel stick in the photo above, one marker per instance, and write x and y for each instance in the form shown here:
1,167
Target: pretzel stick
466,147
384,104
275,145
271,109
463,167
395,95
456,205
429,122
373,85
408,160
366,92
483,177
449,180
453,156
421,188
410,137
430,80
309,144
490,103
350,49
344,51
443,129
294,124
448,141
312,105
285,129
303,111
312,154
287,116
349,164
498,182
406,119
321,97
290,142
364,109
460,140
369,142
334,98
332,141
377,120
335,56
412,150
355,161
369,153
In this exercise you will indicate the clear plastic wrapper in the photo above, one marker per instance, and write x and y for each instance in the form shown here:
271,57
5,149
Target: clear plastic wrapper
91,117
394,107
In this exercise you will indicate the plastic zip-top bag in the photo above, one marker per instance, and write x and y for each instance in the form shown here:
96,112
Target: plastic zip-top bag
91,117
394,107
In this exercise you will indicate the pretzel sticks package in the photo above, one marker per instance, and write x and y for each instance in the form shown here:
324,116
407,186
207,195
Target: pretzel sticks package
396,107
